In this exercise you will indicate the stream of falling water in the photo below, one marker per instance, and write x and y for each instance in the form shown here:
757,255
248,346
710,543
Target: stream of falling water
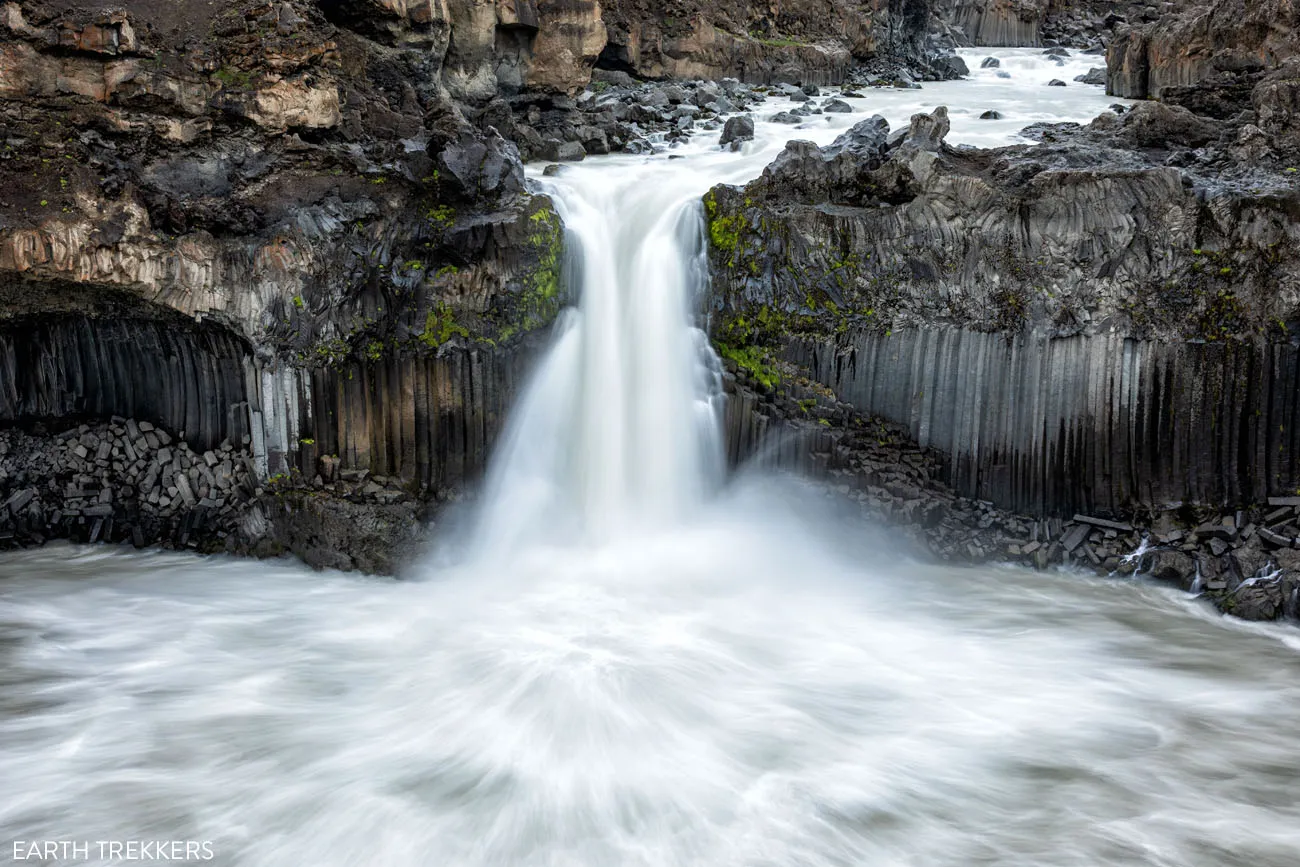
635,665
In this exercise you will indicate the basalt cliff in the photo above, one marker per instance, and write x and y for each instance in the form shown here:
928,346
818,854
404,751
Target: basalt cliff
1098,329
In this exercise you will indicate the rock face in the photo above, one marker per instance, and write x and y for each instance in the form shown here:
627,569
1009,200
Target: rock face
1229,41
1243,561
272,222
1087,24
1000,22
1060,320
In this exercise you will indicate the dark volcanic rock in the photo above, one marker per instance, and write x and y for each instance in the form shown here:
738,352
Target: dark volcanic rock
951,66
737,129
873,276
1096,75
330,533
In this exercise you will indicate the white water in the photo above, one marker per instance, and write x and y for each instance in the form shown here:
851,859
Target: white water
630,671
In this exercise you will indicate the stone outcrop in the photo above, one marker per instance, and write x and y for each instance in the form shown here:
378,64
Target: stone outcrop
273,222
810,41
1221,43
1095,323
131,482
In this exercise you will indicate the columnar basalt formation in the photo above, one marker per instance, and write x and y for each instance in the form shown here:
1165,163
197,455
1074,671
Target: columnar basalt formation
1079,325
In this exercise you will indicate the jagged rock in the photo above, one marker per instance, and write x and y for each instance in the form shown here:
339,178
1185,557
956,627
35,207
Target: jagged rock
330,533
951,66
736,130
1176,567
1096,75
557,151
804,170
1194,43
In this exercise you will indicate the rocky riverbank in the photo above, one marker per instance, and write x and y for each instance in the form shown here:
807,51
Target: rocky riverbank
1246,562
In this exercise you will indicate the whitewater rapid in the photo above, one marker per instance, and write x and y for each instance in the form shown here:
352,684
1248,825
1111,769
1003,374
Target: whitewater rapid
634,664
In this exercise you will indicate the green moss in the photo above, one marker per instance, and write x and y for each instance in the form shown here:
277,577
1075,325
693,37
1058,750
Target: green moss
440,325
230,77
542,289
755,361
1224,317
442,215
331,353
724,232
298,302
446,271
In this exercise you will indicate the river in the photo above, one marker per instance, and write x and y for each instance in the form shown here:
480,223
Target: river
628,660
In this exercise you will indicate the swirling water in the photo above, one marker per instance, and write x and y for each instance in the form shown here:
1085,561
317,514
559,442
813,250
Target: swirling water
634,665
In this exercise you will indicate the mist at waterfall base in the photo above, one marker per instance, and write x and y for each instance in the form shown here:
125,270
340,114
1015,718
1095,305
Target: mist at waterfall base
633,663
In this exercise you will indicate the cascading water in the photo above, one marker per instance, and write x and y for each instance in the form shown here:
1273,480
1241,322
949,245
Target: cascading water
620,427
626,673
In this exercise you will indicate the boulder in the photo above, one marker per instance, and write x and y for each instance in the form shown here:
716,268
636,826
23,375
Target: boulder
736,130
951,66
562,151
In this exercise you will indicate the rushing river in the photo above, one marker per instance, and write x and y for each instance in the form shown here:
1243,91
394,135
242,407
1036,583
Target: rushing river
629,663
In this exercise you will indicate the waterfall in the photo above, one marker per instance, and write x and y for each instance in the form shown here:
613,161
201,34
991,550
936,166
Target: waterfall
620,426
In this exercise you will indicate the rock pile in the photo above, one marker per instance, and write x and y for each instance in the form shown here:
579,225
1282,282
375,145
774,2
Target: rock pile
126,480
129,481
617,113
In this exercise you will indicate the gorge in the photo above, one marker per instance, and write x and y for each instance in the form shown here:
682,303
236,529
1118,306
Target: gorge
707,377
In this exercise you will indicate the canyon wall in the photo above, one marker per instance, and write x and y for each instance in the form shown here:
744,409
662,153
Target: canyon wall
1103,322
270,224
1230,44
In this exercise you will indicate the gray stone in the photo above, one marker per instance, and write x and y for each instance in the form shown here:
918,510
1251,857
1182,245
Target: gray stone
1119,526
737,129
1074,537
